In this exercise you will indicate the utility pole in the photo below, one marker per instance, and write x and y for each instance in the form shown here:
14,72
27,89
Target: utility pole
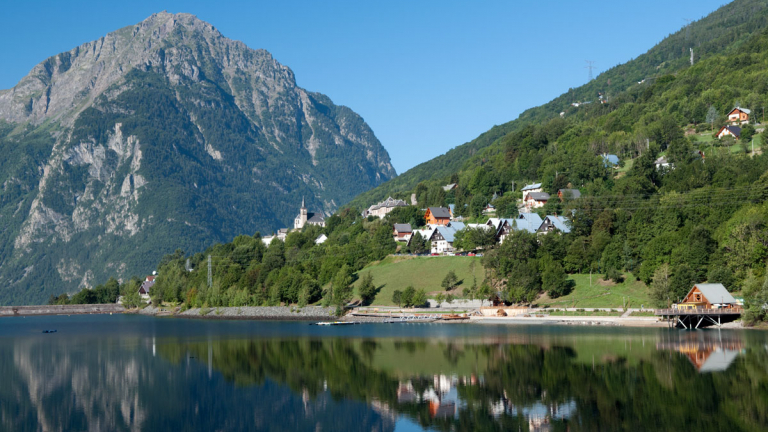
590,65
210,275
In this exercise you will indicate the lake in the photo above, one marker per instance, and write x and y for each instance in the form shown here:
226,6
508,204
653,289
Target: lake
130,372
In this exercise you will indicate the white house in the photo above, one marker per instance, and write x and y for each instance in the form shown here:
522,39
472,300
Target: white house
535,200
381,209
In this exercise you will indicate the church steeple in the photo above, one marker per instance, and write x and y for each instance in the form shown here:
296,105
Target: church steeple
302,202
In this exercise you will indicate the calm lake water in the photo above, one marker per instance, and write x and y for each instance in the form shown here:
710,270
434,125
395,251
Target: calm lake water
154,374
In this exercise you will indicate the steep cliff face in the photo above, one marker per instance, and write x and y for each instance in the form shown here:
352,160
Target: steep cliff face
162,135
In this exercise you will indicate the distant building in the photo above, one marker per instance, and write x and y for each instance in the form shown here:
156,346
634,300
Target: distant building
304,218
438,216
565,194
489,209
535,187
402,232
321,239
535,200
734,131
739,115
442,237
381,209
662,163
145,287
707,296
450,187
555,223
610,160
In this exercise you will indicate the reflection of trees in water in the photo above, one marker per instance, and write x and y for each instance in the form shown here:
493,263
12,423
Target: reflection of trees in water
524,386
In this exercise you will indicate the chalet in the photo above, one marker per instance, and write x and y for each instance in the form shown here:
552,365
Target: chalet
438,216
610,160
535,187
443,236
733,131
565,194
739,115
402,232
555,223
145,287
383,208
304,218
536,200
489,209
528,222
707,296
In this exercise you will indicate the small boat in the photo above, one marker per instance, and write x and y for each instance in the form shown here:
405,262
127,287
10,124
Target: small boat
50,331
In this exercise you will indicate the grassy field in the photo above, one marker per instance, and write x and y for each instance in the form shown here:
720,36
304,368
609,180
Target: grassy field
601,293
582,313
397,272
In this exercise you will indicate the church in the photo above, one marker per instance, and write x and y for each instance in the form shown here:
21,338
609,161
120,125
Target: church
304,218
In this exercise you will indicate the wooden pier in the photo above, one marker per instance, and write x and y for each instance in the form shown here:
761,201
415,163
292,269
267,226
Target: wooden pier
694,318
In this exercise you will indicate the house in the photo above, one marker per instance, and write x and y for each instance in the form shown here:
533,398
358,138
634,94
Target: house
734,131
555,223
450,187
530,222
707,296
321,239
282,233
402,232
489,209
381,209
145,287
304,218
536,200
438,216
535,187
739,115
662,163
610,160
442,237
564,194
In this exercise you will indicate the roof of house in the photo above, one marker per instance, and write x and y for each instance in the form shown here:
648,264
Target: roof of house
610,159
744,110
560,223
449,187
452,208
714,292
735,130
574,193
440,212
146,286
719,360
315,218
527,222
447,232
661,161
457,226
531,187
389,202
403,228
538,196
321,239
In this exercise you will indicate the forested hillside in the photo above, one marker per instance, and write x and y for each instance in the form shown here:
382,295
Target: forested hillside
719,33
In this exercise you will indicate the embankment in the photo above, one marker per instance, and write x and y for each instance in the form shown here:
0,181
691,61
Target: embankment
60,310
249,312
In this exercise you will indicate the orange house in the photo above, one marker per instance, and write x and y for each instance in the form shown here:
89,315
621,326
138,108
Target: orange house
438,216
708,296
739,115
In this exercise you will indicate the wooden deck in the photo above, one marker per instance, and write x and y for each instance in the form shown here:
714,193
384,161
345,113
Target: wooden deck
699,317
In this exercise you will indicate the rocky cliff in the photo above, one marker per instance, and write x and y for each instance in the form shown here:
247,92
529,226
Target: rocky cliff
161,135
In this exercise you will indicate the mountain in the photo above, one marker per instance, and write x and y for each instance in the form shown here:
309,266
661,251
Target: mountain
158,136
719,33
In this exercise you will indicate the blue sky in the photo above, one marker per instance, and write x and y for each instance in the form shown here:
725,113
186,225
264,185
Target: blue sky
426,75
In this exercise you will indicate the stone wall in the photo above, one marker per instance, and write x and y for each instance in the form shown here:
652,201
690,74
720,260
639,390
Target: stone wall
60,309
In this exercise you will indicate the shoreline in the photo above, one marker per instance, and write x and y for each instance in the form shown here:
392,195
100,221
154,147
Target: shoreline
319,313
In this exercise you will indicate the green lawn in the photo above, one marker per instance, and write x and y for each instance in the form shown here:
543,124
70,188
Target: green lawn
582,313
397,273
601,294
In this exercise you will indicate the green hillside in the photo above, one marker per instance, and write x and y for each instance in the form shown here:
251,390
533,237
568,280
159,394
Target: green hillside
722,32
397,273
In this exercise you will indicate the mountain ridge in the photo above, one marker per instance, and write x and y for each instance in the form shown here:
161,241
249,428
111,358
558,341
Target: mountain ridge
163,130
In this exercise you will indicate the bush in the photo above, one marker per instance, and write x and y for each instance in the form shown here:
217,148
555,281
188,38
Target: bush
614,274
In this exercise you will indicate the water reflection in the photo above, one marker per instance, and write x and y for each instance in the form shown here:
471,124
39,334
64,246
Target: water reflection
548,381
